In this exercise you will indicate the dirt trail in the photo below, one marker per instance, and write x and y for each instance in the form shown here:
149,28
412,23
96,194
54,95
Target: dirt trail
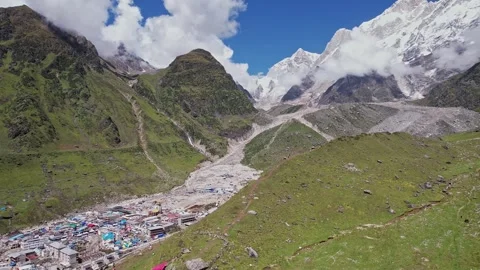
393,221
368,226
272,140
142,136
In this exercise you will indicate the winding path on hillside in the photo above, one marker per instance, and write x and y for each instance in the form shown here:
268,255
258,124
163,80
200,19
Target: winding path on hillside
142,135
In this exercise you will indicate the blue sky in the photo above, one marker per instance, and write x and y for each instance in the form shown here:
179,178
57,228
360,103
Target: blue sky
271,30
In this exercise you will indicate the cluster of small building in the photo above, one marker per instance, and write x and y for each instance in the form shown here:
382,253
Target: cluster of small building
94,239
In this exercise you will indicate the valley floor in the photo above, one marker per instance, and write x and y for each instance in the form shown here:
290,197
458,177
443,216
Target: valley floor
216,182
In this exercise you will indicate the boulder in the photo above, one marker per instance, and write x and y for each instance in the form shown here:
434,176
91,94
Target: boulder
251,252
428,185
196,264
441,179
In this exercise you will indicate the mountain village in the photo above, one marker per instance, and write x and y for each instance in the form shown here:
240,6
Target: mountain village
322,154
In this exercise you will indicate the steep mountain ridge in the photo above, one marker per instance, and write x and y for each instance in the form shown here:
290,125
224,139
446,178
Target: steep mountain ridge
197,92
368,88
129,63
460,90
413,29
300,61
285,73
73,133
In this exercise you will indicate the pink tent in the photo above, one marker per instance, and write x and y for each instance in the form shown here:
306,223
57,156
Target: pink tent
161,266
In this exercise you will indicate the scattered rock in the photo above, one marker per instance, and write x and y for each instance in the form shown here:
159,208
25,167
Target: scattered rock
255,198
396,177
251,212
367,191
379,161
440,179
426,156
351,167
185,251
196,264
304,185
391,211
251,252
428,185
341,209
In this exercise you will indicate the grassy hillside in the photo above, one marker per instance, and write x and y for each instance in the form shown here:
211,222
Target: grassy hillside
284,109
196,91
68,135
367,202
279,143
461,90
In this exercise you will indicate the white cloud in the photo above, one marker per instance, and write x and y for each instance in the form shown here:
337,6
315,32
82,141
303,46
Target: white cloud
460,56
190,24
360,56
86,17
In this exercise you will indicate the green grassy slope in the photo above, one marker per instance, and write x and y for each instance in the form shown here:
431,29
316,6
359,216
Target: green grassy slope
272,146
284,109
196,91
68,136
461,90
319,196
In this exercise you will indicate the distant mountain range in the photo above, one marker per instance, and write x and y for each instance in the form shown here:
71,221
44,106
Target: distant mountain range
411,31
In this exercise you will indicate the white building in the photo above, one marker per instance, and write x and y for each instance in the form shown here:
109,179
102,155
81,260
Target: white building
68,257
27,267
32,243
53,249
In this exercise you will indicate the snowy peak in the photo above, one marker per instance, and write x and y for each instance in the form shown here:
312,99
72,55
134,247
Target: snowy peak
413,40
300,61
129,63
340,37
405,5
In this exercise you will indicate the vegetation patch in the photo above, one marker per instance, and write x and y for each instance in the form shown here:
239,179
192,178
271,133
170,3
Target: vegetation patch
352,203
279,143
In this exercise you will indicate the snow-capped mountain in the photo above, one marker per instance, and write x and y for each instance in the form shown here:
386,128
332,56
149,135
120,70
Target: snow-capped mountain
289,71
129,63
402,41
300,61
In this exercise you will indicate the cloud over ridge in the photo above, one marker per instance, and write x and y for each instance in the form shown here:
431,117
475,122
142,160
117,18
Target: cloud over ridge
189,24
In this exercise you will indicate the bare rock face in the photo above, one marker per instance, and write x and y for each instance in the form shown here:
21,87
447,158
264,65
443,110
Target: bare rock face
129,63
368,88
297,91
196,264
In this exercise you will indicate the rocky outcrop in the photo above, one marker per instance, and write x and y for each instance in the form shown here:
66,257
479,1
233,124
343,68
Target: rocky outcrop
296,91
368,88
